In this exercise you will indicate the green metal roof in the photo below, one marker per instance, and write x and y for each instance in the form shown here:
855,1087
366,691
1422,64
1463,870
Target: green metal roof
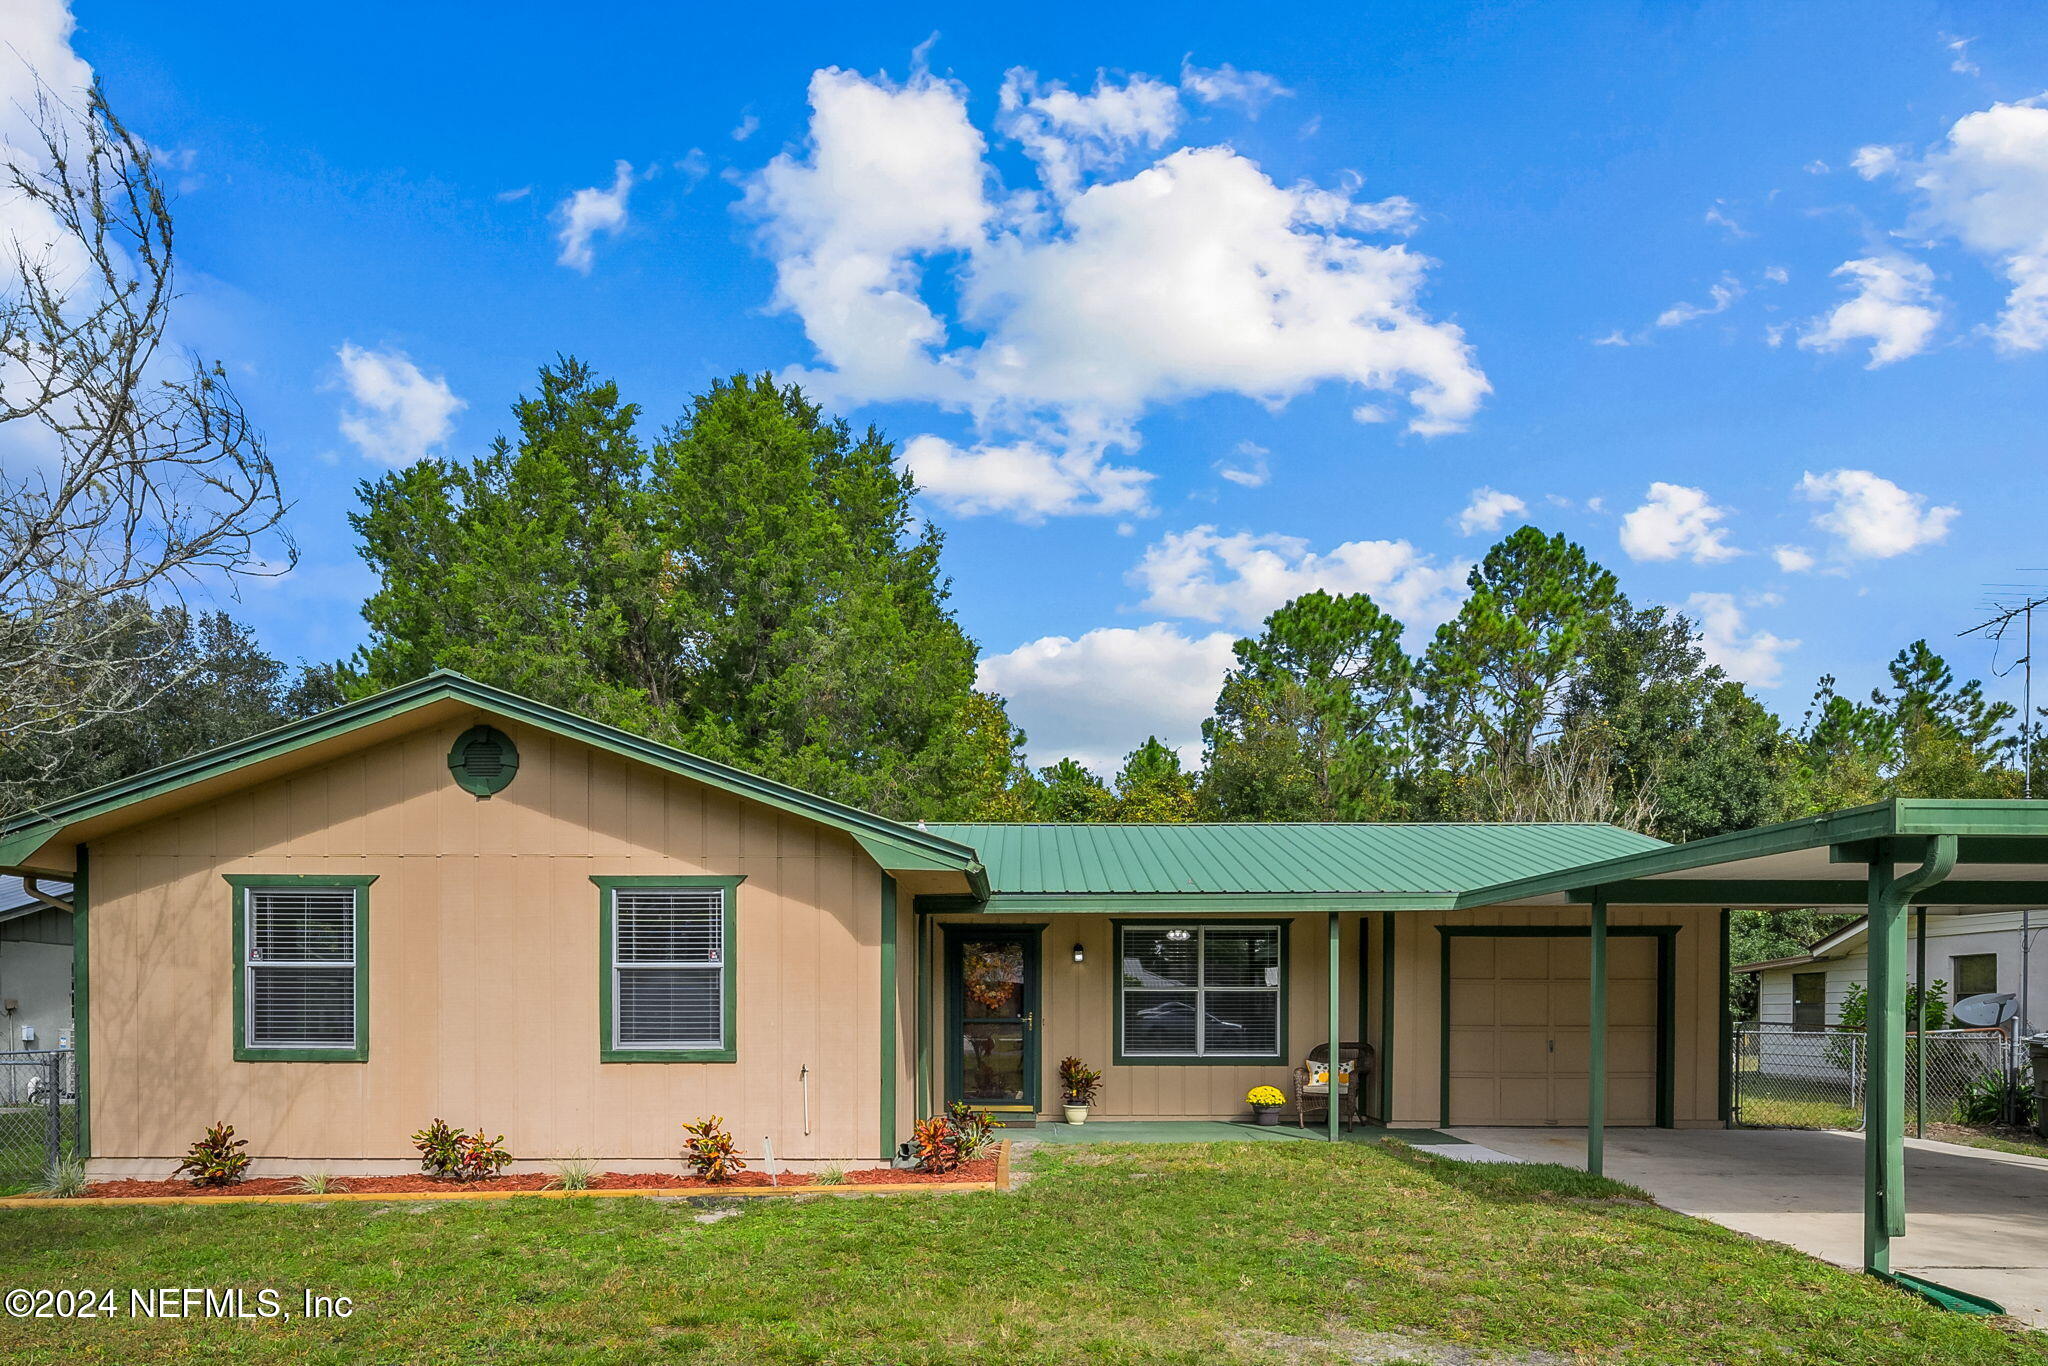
1250,859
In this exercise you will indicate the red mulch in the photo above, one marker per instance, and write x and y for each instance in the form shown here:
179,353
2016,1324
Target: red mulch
981,1169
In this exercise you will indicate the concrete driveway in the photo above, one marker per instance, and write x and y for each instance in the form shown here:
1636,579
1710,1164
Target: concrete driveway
1976,1220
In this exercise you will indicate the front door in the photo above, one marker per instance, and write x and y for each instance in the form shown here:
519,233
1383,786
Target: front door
992,1017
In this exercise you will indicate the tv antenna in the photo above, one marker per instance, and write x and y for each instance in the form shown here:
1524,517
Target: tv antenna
2005,613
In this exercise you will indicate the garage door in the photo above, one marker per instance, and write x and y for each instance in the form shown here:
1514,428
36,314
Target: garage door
1519,1036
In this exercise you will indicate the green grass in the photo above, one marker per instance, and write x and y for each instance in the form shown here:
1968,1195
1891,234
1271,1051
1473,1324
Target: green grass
1209,1253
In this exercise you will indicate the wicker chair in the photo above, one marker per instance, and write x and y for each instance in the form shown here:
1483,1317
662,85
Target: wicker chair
1315,1095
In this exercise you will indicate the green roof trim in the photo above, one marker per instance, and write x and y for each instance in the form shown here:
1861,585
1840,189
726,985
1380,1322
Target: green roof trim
1247,866
1991,830
889,843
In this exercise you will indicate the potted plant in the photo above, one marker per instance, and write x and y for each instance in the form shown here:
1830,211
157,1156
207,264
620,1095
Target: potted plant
1266,1102
1078,1084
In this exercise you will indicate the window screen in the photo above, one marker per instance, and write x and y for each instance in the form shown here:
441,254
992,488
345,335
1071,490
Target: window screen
1200,991
1973,974
1809,1000
300,947
668,967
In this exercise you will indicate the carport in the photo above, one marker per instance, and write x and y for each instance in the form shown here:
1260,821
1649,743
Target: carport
1948,857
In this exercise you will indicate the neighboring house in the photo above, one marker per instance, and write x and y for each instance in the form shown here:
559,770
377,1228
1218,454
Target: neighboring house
35,966
1995,951
447,900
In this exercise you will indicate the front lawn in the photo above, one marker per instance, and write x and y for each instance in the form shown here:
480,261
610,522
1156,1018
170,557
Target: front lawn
1257,1252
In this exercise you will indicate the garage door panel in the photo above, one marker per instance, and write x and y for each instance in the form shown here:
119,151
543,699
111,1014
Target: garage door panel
1472,1003
1520,1042
1522,1005
1520,1052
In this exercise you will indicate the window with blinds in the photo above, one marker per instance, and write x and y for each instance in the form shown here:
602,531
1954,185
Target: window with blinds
1200,991
299,966
668,967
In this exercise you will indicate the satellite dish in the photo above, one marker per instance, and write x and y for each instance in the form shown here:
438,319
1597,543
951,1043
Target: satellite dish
1992,1008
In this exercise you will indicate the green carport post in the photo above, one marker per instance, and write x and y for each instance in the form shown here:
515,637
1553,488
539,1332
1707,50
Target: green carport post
1596,1044
1884,1127
1336,1052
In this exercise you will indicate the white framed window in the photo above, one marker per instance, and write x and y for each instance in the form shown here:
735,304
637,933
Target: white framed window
668,969
1201,992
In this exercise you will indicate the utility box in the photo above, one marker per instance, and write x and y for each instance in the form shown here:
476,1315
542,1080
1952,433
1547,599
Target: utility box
2037,1055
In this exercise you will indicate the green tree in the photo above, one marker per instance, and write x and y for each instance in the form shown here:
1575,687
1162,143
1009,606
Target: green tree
754,587
1315,721
1153,787
1069,792
207,682
1496,677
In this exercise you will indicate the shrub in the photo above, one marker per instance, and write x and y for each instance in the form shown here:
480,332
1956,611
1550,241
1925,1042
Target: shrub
317,1183
1985,1099
973,1130
448,1154
936,1144
573,1174
710,1151
834,1175
1078,1082
64,1180
217,1159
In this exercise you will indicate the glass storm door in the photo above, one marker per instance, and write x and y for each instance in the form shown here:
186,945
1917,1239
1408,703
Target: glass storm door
992,1013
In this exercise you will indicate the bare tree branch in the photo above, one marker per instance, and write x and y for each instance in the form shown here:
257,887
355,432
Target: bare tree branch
128,474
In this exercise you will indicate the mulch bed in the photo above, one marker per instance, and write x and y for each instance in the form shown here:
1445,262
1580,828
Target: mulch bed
981,1169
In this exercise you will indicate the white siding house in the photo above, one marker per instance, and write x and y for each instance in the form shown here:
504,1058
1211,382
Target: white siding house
1972,954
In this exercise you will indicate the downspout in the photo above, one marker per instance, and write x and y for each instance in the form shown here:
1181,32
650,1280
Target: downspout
37,894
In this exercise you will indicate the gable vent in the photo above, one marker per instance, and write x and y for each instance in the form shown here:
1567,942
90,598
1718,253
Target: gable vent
483,760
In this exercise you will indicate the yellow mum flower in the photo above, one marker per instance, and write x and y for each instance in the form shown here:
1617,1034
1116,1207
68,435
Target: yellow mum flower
1265,1095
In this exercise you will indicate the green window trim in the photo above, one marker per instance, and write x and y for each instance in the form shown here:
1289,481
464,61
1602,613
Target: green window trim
1116,977
244,1051
607,1050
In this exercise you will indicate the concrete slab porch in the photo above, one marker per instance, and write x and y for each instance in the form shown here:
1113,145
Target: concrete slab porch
1216,1131
1976,1220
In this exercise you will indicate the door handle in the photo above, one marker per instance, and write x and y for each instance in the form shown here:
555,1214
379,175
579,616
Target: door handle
1031,1019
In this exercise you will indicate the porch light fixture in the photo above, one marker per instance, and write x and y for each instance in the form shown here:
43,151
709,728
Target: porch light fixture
1080,954
1179,936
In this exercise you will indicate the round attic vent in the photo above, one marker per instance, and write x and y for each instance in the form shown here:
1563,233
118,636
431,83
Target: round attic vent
483,760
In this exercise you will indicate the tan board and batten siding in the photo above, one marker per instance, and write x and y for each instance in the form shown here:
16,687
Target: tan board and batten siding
483,970
1077,1006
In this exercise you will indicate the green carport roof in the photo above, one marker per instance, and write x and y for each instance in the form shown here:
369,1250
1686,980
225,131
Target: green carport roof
1381,867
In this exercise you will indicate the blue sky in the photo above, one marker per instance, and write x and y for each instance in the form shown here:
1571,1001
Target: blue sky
1176,314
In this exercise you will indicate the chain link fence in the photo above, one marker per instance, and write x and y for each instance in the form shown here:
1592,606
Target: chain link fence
38,1113
1792,1078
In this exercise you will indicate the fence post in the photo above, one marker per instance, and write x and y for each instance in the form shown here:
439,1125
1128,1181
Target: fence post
56,1103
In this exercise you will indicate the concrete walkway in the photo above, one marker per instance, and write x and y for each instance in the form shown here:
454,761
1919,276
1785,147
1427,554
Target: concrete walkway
1975,1219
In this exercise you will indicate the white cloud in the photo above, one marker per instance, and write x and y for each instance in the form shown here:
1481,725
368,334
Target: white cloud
1070,135
1225,84
1023,479
1777,275
399,413
1726,292
1240,578
1755,658
1078,308
1874,161
1894,308
1871,517
1676,522
746,128
1250,469
1988,188
589,212
1488,509
514,196
1718,216
1958,50
1098,697
1793,559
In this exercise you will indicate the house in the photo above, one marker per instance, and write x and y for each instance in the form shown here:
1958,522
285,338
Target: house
1997,951
447,900
35,965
